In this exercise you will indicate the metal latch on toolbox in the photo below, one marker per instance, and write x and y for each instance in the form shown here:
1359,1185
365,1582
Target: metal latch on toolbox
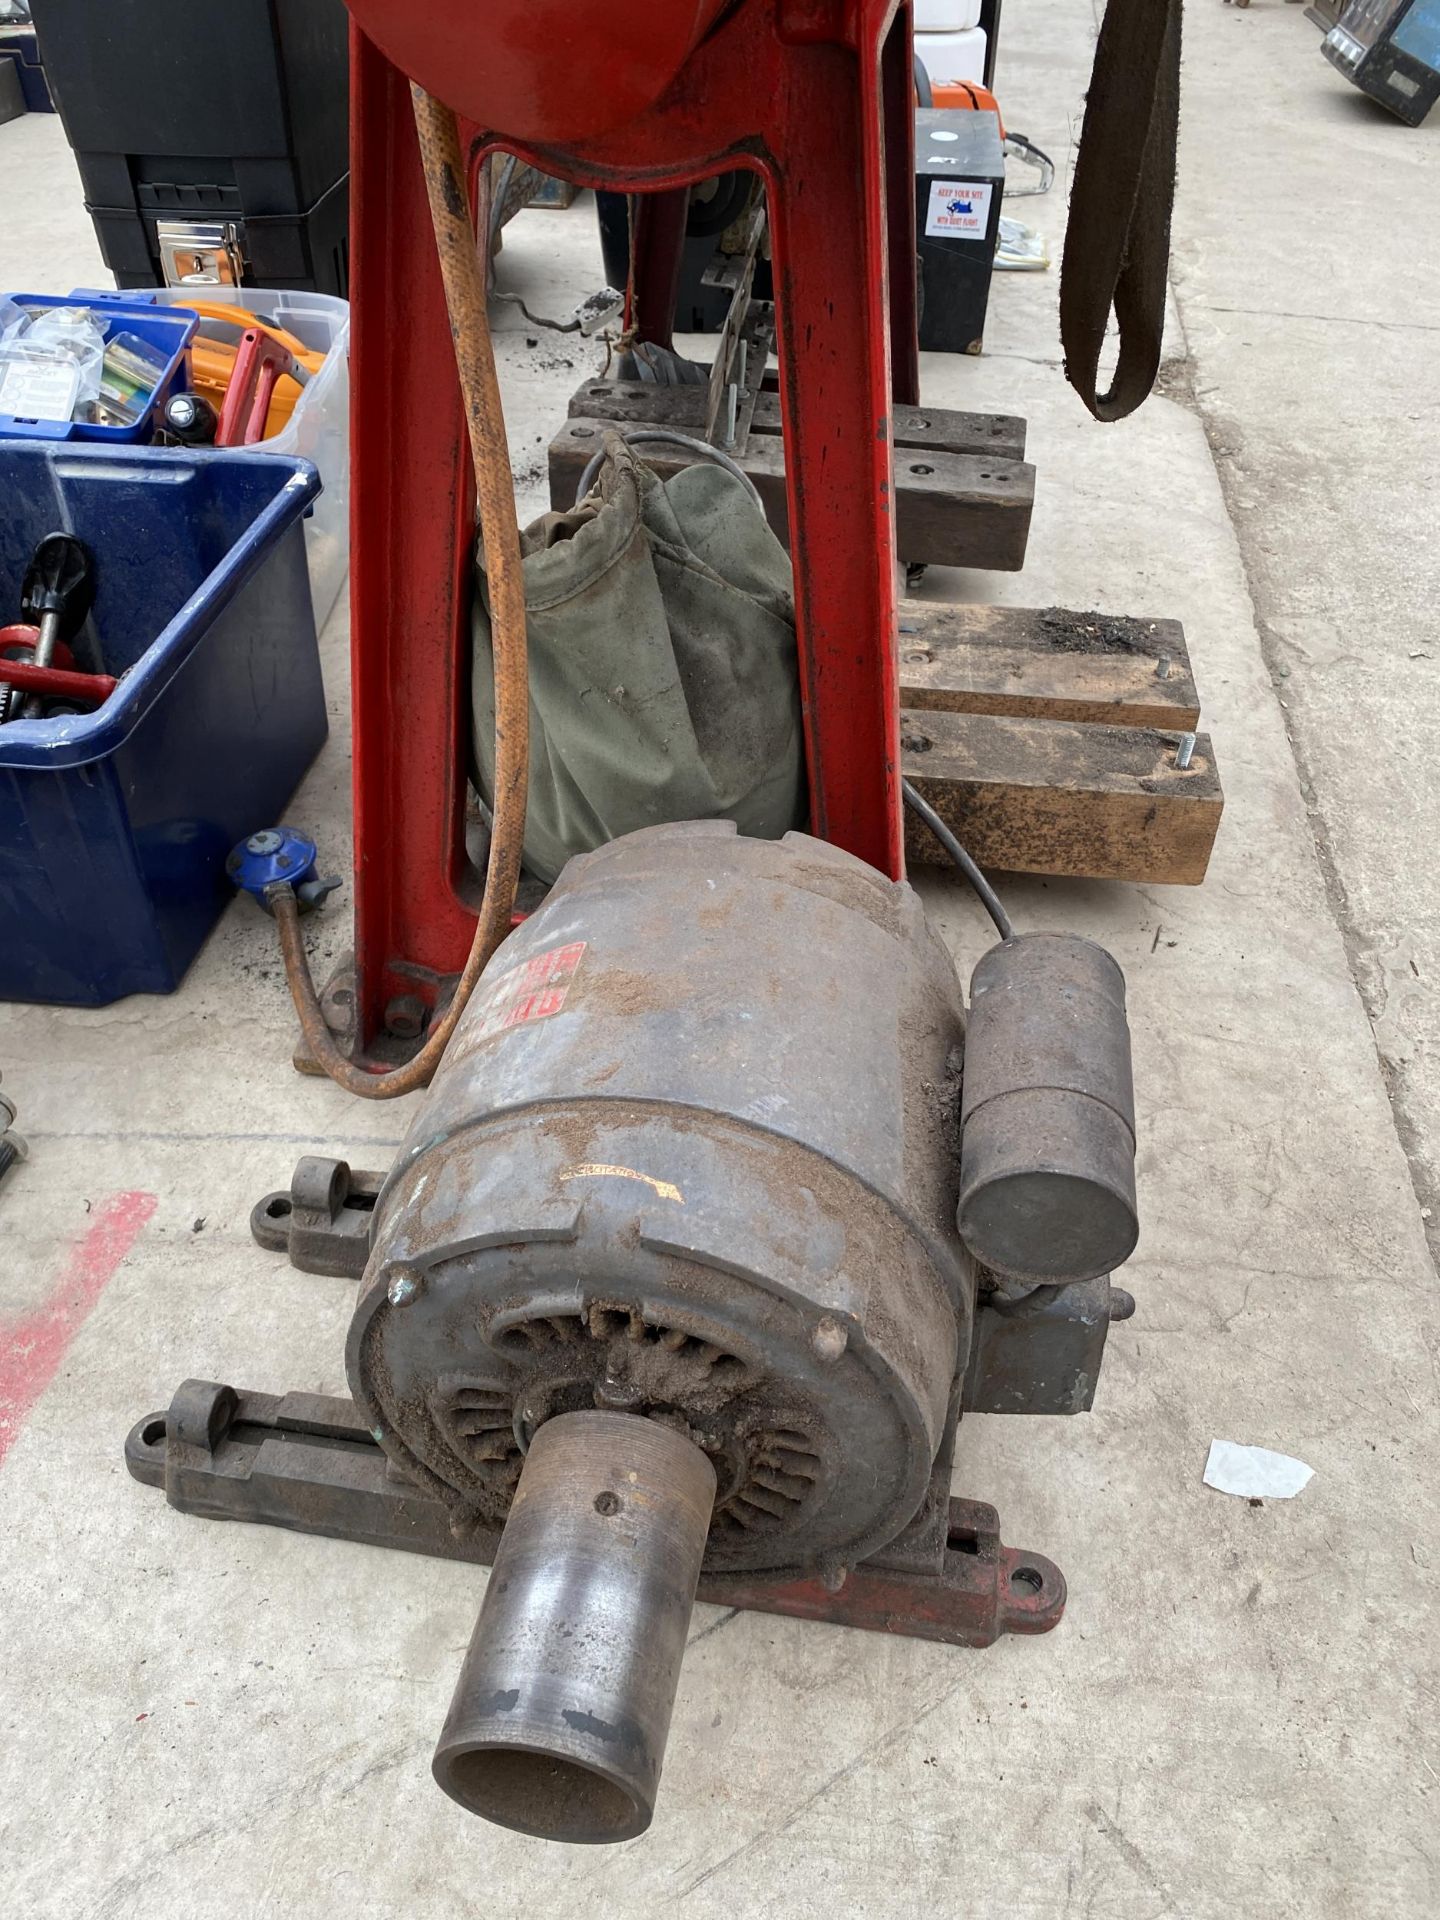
201,253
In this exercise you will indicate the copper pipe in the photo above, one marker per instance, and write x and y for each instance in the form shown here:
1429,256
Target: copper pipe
463,273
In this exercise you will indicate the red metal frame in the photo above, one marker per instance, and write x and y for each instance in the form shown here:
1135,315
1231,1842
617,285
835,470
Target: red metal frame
57,682
812,94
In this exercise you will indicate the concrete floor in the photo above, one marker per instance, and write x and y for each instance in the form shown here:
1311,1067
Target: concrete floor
1236,1716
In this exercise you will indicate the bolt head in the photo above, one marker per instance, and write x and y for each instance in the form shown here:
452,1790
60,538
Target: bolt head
403,1289
829,1340
619,1396
405,1016
269,841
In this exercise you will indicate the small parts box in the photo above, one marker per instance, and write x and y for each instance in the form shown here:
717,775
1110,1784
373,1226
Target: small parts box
115,825
959,184
166,331
319,428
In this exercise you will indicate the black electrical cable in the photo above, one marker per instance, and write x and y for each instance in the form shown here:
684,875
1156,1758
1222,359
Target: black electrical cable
989,899
924,93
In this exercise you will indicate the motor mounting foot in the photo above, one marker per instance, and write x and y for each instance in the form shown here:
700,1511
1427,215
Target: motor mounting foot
308,1463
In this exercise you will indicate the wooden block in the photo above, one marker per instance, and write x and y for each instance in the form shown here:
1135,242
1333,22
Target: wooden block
951,509
939,429
1054,796
1046,664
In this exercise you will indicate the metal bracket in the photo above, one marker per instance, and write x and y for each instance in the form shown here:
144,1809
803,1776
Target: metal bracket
726,380
308,1463
323,1222
201,253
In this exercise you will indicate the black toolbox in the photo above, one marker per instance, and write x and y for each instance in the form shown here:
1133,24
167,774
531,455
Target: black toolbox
959,184
212,138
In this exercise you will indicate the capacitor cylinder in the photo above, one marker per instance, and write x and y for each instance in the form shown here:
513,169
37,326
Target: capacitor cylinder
560,1718
1047,1166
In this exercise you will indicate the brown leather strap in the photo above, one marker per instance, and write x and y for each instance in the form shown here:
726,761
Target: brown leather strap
1117,244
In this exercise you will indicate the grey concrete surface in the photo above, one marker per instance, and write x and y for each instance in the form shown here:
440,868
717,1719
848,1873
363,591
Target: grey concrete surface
1311,314
1236,1716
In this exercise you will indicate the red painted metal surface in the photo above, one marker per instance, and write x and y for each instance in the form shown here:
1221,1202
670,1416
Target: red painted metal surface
982,1590
659,255
898,83
806,93
93,688
541,69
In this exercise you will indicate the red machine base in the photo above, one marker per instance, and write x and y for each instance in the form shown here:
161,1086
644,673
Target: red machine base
308,1463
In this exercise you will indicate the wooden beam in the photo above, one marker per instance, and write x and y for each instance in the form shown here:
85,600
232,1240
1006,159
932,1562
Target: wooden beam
951,509
1046,664
1057,797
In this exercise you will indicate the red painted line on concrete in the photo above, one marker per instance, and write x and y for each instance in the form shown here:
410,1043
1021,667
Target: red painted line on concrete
32,1348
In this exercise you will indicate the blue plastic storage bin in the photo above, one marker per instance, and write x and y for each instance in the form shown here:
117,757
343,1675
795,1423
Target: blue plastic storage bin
114,825
167,329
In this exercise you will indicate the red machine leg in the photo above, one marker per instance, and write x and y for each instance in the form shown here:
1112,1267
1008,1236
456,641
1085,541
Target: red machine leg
411,517
898,82
659,256
832,302
806,91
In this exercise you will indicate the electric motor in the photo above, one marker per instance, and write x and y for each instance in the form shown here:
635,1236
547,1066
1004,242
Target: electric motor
691,1154
667,1272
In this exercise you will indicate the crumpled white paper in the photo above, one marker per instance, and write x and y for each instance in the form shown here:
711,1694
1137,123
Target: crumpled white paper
1255,1472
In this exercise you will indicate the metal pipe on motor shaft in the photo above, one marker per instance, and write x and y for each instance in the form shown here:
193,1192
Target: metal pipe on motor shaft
559,1720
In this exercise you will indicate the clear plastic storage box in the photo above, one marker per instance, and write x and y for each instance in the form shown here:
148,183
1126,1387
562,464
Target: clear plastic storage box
319,428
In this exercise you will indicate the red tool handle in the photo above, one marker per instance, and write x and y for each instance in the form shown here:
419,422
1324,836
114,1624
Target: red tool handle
28,637
55,681
259,363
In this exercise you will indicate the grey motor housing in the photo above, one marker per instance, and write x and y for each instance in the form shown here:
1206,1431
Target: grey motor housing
1047,1166
691,1153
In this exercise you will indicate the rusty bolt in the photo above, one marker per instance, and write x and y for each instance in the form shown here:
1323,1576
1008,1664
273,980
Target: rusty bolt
405,1016
619,1396
403,1289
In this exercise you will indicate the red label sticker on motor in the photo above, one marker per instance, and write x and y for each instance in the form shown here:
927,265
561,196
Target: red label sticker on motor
532,991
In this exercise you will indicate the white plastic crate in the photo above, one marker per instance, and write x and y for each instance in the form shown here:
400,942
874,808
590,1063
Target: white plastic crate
319,428
953,56
945,16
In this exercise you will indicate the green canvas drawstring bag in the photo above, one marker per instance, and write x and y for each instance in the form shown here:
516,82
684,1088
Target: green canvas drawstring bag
663,676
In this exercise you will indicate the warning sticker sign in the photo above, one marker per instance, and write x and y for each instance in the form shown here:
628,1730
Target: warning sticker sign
958,207
532,991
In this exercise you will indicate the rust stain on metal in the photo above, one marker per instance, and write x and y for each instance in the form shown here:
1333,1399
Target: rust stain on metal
594,1170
